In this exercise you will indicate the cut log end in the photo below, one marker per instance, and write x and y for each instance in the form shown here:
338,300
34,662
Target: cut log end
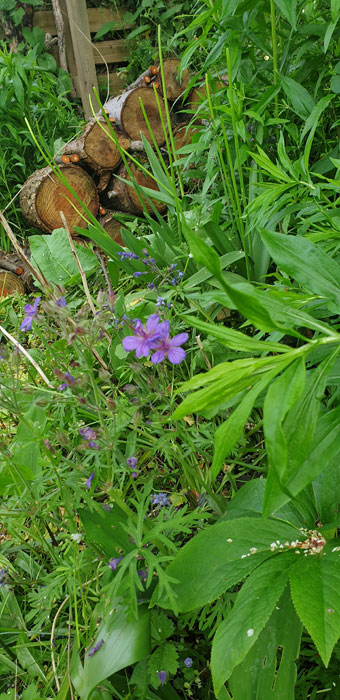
127,110
44,196
174,84
10,283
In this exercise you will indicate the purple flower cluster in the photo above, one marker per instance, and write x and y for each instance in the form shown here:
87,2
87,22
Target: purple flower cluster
126,255
155,336
67,377
96,647
89,435
132,463
61,301
159,499
31,311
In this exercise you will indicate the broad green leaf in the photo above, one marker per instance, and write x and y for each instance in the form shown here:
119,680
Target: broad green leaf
203,253
254,604
328,493
329,34
230,431
314,582
219,557
262,675
53,256
106,529
288,9
335,9
125,642
234,339
306,262
300,100
280,398
324,451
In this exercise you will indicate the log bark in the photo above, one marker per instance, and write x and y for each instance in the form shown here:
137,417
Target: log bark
125,197
95,148
10,283
175,86
12,263
43,196
125,109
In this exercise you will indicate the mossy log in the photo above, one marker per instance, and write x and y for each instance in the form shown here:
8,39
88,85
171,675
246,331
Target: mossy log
44,195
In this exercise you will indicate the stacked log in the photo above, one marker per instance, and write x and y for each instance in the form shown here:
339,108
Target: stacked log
91,164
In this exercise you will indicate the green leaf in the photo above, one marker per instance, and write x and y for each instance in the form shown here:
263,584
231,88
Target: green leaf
234,339
262,674
106,529
239,631
125,642
53,256
335,9
288,9
324,450
104,29
164,658
314,582
329,34
301,101
203,253
219,557
281,397
306,262
230,431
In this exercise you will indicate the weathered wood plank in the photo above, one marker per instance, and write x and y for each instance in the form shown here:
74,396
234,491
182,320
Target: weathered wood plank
114,51
83,53
97,16
117,83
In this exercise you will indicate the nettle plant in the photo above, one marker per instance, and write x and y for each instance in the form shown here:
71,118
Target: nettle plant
279,533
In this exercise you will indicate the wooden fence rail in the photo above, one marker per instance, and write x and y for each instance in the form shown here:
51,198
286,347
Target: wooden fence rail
84,56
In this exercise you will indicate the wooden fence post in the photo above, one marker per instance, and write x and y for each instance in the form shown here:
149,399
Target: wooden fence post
83,53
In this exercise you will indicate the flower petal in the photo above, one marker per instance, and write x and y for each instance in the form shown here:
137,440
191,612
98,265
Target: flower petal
152,323
176,355
179,339
143,349
131,342
158,357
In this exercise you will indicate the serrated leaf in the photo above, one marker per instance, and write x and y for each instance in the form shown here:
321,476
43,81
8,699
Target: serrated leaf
314,582
219,557
306,262
239,631
161,626
164,658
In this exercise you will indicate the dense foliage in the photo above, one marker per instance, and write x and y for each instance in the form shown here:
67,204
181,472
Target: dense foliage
169,471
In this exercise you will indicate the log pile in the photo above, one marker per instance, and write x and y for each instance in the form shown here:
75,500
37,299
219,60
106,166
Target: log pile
92,166
14,275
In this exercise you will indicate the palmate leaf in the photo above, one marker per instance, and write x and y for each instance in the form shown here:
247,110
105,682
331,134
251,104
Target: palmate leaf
220,557
314,582
307,263
254,604
261,674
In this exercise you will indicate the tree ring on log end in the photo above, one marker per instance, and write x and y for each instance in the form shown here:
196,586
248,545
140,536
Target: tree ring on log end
52,194
132,118
10,283
101,149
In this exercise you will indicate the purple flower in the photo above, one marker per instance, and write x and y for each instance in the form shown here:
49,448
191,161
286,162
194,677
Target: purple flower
172,267
169,347
134,475
113,563
31,311
69,378
87,433
159,499
144,337
88,482
162,677
93,445
62,387
188,662
96,647
132,462
160,301
151,285
61,301
3,577
137,274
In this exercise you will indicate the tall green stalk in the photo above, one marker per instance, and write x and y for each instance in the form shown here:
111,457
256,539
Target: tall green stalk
274,48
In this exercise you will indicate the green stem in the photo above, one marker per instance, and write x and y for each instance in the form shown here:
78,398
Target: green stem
274,48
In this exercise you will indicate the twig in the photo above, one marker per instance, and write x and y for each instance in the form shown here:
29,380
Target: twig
82,273
29,357
102,265
40,277
85,285
52,640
